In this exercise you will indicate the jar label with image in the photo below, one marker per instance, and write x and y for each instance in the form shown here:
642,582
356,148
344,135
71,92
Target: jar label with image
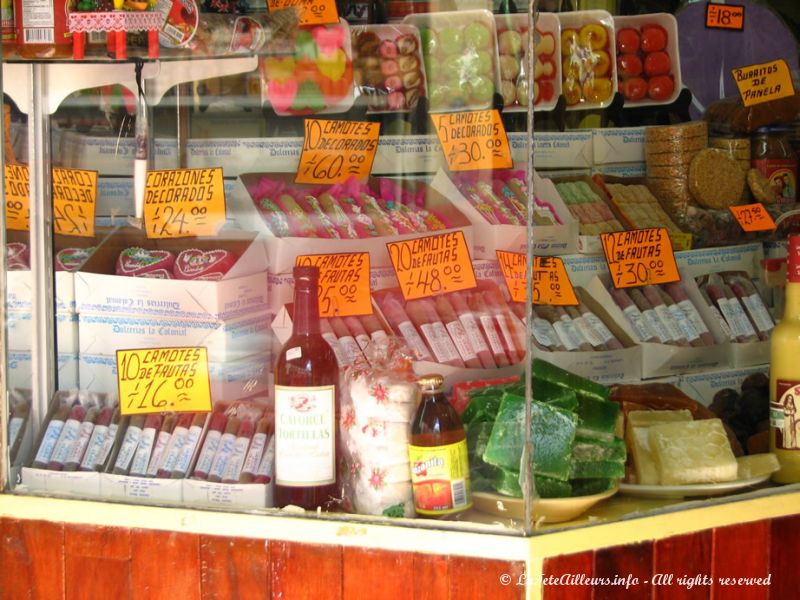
782,176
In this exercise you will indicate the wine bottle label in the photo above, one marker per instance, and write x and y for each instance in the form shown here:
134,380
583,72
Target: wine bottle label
49,440
210,447
599,327
761,317
473,332
693,316
142,456
566,339
461,340
636,321
544,333
293,353
305,436
440,478
783,417
491,335
685,326
409,333
96,443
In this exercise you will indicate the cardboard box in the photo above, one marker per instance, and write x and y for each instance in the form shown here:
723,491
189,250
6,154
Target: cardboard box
225,340
19,331
750,354
618,145
242,291
230,380
19,367
73,484
112,155
226,495
282,252
624,170
563,150
703,386
144,490
487,237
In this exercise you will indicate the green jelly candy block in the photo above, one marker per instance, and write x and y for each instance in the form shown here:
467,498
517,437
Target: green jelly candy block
588,449
481,408
547,487
549,372
477,437
592,469
553,435
506,482
554,395
597,419
590,487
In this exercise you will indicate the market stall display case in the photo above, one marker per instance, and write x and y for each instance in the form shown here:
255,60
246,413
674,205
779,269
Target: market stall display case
158,205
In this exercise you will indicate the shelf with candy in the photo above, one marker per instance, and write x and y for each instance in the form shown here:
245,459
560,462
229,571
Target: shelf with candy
87,448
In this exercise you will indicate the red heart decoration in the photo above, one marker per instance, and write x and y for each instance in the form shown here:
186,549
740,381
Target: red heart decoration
203,264
140,262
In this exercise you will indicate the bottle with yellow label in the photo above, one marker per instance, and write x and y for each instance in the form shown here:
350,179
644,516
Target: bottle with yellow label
784,384
438,454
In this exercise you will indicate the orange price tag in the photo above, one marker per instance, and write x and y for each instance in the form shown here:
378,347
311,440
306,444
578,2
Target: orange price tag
312,12
474,140
753,217
724,16
74,201
551,284
152,380
335,151
344,289
184,203
432,265
640,257
764,82
17,197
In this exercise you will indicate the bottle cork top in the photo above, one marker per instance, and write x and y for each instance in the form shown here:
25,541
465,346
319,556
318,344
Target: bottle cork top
431,383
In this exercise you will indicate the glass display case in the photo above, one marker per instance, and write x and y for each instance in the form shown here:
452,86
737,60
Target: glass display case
540,208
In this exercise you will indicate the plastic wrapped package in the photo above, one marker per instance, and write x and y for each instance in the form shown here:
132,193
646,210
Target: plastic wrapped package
388,67
589,59
460,55
731,115
379,401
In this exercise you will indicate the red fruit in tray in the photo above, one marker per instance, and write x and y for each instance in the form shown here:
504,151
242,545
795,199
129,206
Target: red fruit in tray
634,88
657,63
654,38
661,87
628,40
629,65
546,90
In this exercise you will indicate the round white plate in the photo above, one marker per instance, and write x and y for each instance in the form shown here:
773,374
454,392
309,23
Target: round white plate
683,491
548,510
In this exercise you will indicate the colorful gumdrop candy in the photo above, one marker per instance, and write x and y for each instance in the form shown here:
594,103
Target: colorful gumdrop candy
309,99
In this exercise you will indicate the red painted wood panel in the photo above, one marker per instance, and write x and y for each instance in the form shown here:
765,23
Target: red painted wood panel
431,573
682,567
632,564
377,574
741,551
574,566
477,579
234,568
784,548
32,560
305,571
97,562
165,565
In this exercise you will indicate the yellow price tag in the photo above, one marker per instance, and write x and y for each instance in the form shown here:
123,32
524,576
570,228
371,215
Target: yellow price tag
312,12
335,151
344,289
17,197
154,380
74,201
640,257
432,265
764,82
474,140
551,284
184,203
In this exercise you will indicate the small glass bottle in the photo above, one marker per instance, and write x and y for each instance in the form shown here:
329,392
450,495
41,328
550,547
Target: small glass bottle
438,454
306,406
773,156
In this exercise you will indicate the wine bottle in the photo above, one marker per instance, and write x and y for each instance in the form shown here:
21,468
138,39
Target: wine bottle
306,406
784,375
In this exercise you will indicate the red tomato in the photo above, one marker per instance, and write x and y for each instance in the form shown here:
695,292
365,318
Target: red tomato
654,38
546,90
629,65
661,87
627,40
657,63
634,88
